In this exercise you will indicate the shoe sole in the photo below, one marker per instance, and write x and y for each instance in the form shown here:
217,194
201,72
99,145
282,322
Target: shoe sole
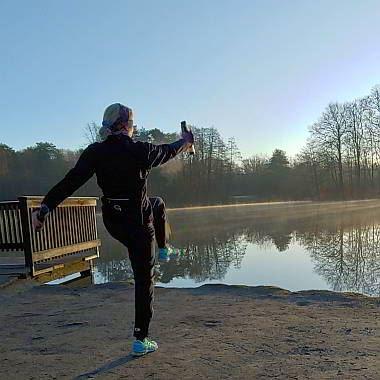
137,354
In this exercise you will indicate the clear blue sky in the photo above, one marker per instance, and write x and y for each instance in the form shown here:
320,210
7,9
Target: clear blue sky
261,71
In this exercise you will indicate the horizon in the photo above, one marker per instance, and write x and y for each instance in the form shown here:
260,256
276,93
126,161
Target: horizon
263,78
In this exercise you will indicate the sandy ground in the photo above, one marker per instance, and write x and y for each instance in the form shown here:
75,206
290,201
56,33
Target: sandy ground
211,332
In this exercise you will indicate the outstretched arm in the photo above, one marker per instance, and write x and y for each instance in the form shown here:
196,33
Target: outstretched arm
74,179
156,155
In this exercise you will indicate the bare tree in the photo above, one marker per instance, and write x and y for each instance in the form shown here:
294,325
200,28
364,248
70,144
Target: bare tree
356,122
329,133
91,132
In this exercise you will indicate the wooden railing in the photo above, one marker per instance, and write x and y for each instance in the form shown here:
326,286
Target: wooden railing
69,232
11,238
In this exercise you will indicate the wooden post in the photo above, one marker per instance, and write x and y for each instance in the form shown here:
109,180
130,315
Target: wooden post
26,233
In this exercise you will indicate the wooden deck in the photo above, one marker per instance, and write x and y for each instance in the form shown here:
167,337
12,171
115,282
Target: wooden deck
12,265
67,244
13,268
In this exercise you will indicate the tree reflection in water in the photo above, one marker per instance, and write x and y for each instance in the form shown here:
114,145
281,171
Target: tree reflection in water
205,260
348,258
343,243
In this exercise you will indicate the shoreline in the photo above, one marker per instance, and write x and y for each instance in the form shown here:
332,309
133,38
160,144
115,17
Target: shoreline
259,332
354,202
277,203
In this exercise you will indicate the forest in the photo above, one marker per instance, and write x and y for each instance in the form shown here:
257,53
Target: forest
340,160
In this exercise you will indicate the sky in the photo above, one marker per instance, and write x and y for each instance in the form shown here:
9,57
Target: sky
260,71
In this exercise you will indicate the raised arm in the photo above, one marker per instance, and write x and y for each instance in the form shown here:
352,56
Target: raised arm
156,155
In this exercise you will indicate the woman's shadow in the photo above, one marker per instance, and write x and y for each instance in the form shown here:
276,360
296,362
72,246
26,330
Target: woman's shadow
107,367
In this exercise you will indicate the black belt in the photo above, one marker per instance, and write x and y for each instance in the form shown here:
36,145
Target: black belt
119,204
125,206
116,203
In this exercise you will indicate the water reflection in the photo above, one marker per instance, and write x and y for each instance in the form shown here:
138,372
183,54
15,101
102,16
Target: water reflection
348,258
341,243
203,261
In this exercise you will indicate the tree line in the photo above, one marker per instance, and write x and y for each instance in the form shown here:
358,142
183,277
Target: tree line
339,161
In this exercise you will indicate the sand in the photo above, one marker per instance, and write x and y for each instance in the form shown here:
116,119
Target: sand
210,332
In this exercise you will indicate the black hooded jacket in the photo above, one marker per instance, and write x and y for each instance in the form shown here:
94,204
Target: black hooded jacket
121,166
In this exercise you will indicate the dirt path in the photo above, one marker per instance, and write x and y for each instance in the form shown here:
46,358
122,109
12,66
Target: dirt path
211,332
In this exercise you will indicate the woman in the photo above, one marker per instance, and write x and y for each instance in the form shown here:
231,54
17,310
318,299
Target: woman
122,167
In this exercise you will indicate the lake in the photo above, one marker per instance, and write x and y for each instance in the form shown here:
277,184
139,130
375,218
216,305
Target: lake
295,246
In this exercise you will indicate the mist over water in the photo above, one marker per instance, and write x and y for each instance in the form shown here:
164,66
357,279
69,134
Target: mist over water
296,246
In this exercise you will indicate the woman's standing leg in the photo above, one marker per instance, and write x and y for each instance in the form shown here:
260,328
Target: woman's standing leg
139,239
142,256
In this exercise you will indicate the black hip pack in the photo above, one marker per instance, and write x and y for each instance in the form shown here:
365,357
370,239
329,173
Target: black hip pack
121,206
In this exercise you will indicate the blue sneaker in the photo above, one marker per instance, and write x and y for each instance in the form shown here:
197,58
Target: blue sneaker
142,347
168,253
163,254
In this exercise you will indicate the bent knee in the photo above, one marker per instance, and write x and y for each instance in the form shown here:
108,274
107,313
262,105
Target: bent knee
157,202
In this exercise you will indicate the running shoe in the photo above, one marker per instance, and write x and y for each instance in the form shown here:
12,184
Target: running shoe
142,347
163,254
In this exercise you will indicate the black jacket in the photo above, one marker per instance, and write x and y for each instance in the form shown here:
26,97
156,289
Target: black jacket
121,166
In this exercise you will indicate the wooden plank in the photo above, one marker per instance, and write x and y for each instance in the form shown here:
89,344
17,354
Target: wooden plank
26,236
52,232
61,262
20,225
33,241
16,225
64,260
76,226
92,257
47,269
18,270
34,234
6,227
13,265
86,224
74,267
80,218
10,231
15,218
47,234
2,233
70,225
12,260
60,251
35,201
11,246
12,236
64,226
56,226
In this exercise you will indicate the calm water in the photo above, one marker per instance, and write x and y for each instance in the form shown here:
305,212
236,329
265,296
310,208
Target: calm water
332,246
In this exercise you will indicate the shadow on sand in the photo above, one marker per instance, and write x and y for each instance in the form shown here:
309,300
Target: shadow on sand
107,367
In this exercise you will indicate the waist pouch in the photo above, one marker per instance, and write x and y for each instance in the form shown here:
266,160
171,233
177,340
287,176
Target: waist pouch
124,209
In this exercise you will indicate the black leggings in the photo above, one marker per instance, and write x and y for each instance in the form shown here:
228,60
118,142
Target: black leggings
160,221
139,239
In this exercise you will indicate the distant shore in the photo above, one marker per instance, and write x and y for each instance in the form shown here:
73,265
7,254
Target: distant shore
279,203
349,203
214,332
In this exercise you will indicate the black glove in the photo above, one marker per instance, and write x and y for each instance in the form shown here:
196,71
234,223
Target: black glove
39,216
